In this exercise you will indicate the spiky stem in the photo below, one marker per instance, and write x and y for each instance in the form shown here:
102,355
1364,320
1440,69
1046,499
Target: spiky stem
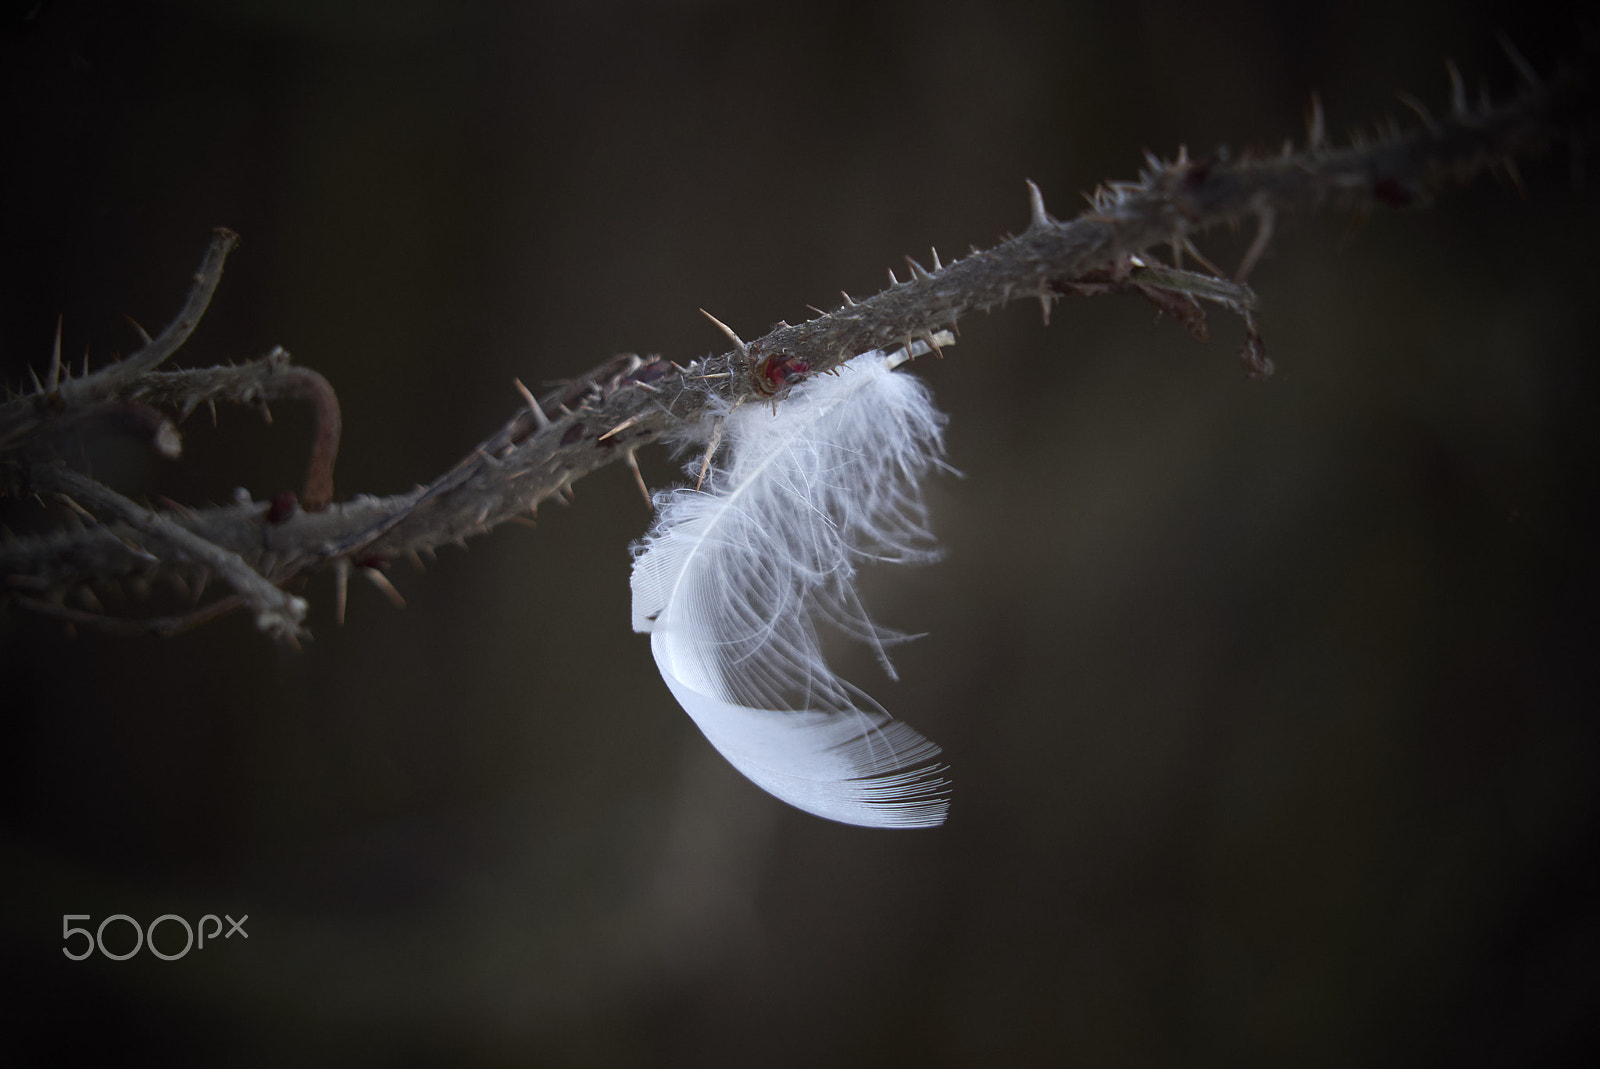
627,403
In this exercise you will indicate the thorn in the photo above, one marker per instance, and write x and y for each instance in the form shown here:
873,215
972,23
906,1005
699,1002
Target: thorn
536,410
892,280
917,270
211,403
1201,259
1519,61
1316,126
1509,165
38,387
341,588
624,425
89,601
1036,206
1264,223
202,579
54,379
711,450
819,311
416,560
77,508
135,325
937,266
738,342
1422,112
933,343
848,300
1044,304
638,478
1458,90
381,581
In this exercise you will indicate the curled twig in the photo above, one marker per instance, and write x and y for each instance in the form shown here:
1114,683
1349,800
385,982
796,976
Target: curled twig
270,378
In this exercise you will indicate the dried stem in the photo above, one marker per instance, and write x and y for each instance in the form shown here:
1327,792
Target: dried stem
620,406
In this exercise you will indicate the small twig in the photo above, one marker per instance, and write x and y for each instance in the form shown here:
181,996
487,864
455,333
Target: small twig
277,612
20,415
160,626
170,340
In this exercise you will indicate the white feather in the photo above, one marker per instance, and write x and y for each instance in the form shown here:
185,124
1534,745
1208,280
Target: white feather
732,581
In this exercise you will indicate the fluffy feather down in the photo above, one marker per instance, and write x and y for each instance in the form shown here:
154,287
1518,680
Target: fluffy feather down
732,580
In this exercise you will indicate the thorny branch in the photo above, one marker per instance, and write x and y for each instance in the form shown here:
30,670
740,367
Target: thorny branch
605,415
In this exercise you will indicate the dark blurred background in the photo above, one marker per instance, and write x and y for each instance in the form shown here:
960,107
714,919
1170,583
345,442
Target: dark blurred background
1270,706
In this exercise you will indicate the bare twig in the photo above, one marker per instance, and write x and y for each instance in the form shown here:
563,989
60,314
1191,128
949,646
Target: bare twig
277,613
156,352
61,395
